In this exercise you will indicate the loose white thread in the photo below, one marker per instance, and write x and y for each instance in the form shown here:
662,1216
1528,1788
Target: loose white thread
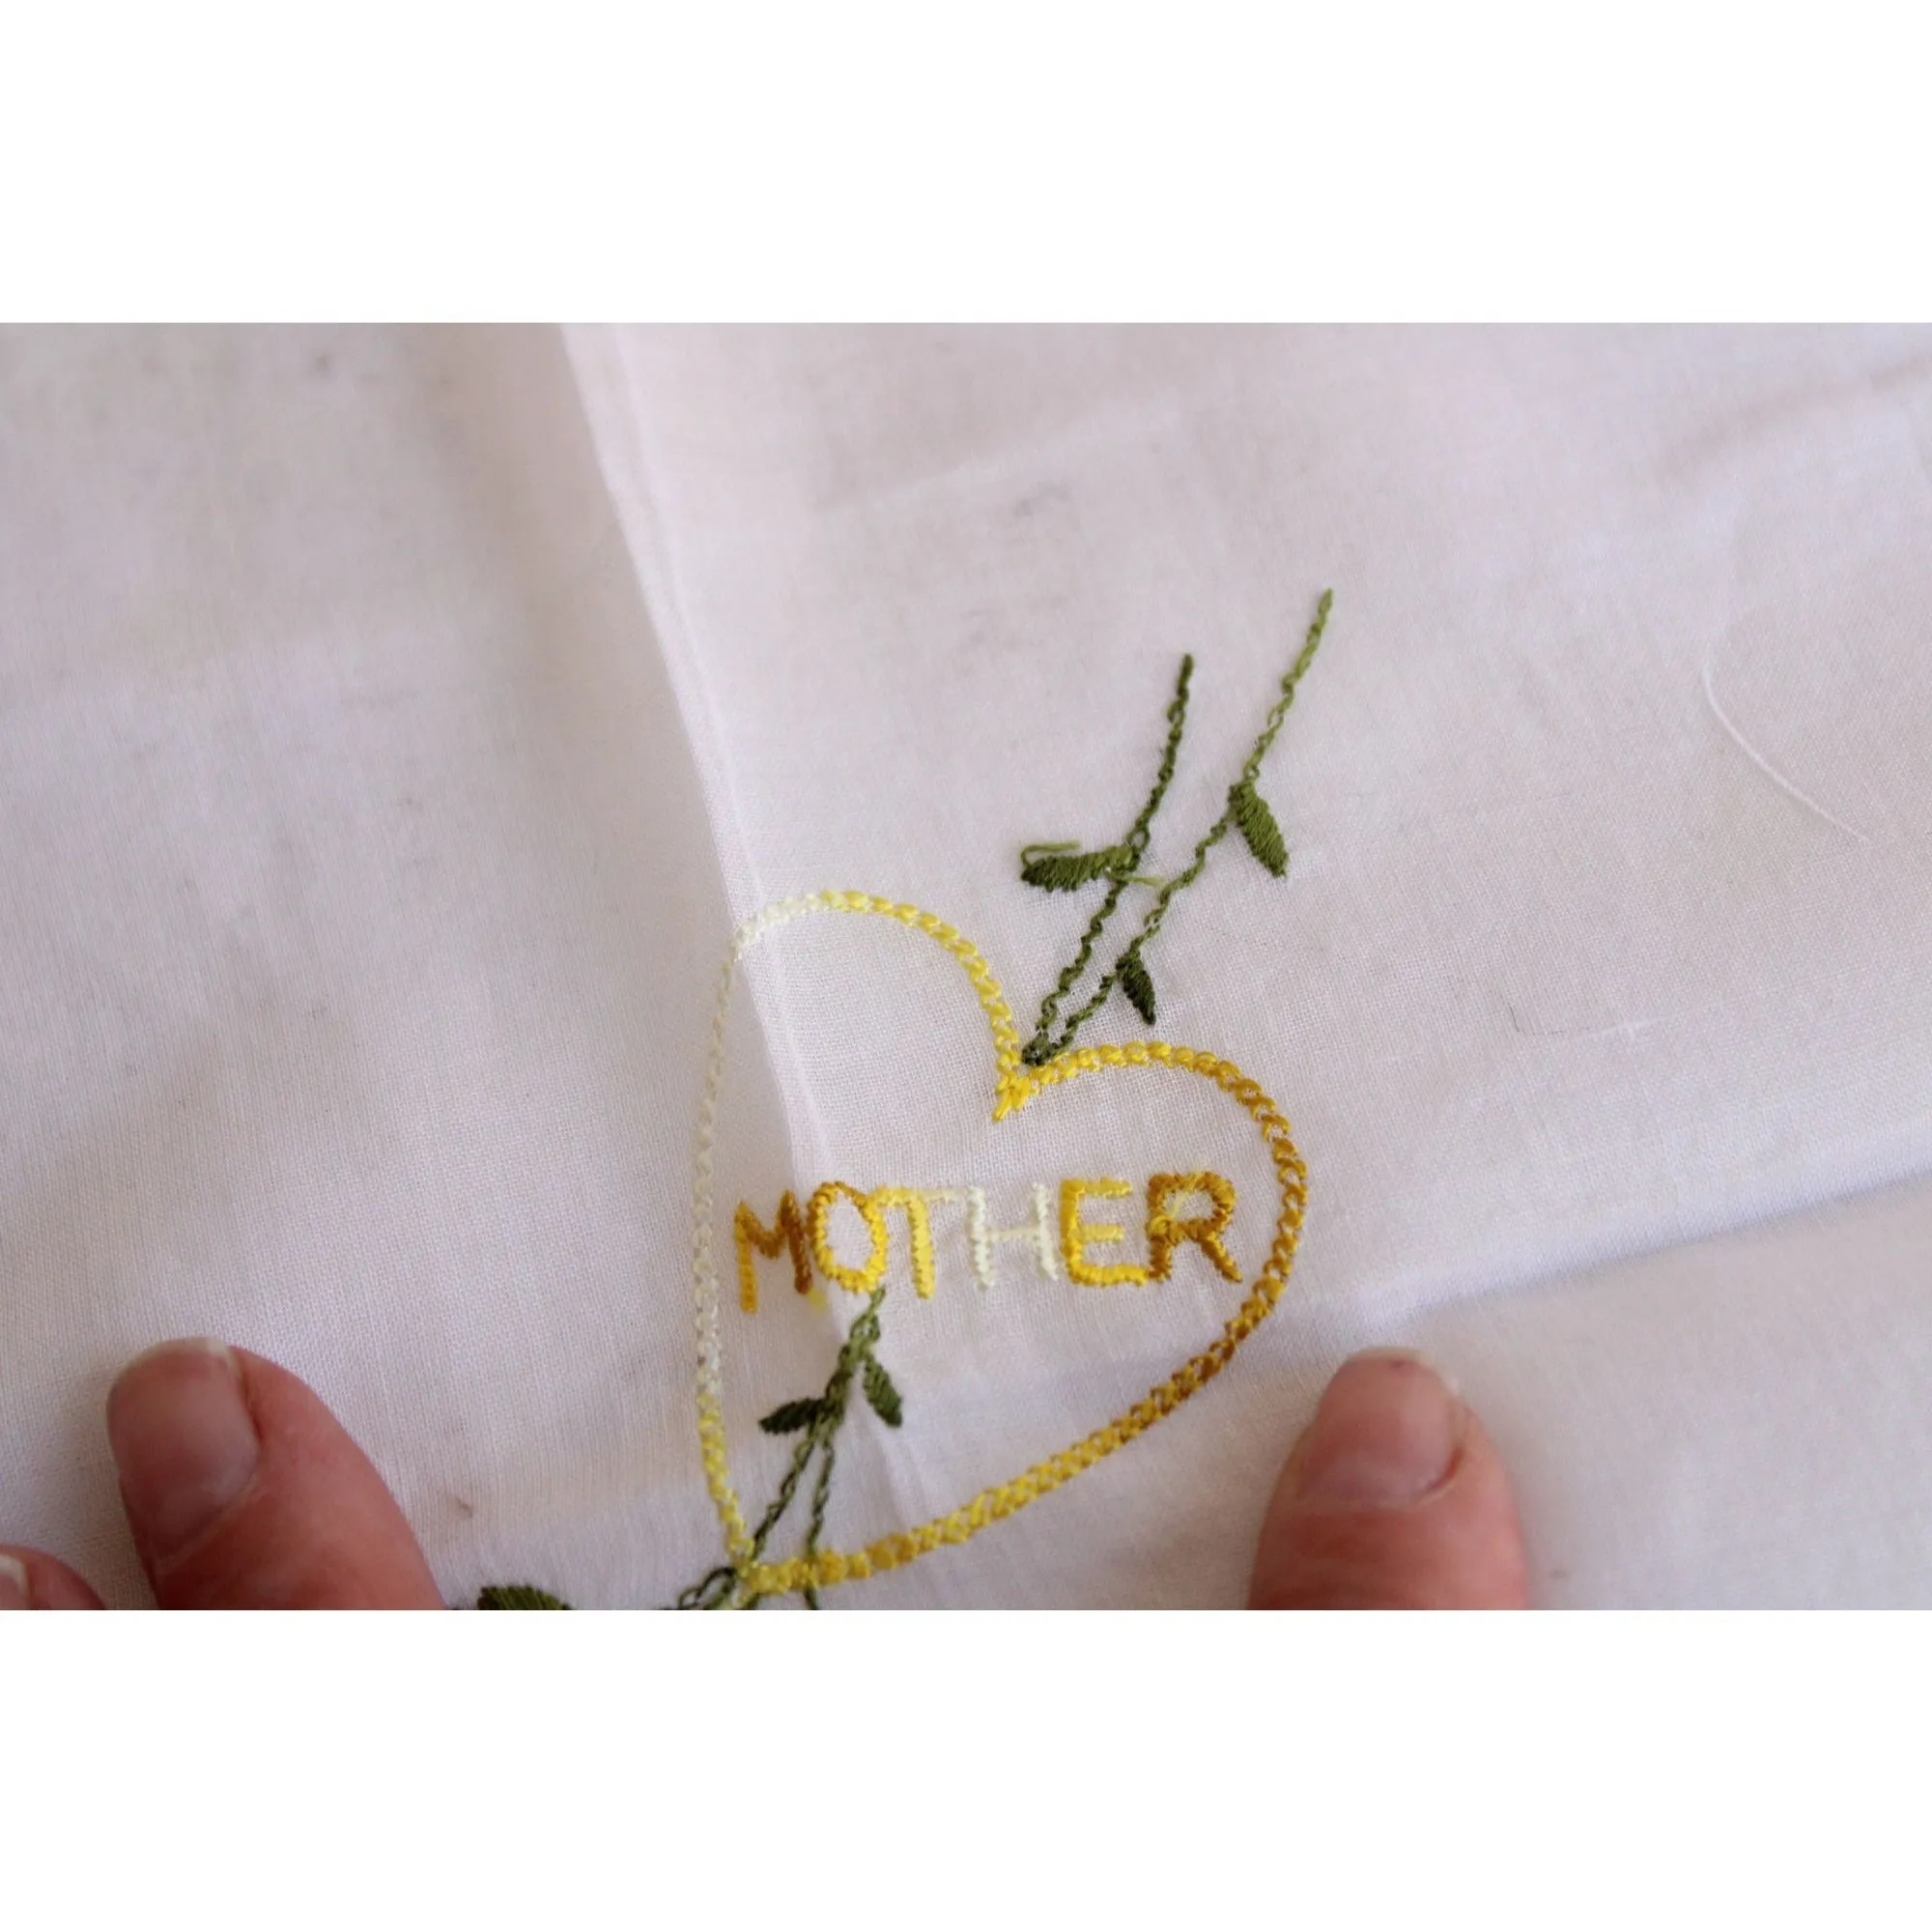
1770,770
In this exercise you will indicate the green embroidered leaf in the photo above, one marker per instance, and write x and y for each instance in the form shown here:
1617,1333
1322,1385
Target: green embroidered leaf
788,1417
882,1395
1064,868
1258,827
1137,985
518,1597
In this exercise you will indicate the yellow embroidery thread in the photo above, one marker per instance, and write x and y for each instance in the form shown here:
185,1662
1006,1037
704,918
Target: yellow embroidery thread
1075,1235
855,1281
918,1230
747,1232
1167,1231
1017,1085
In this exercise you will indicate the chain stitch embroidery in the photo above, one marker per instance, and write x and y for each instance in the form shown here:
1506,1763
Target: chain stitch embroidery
1075,1235
919,1231
817,1219
1046,1060
746,1578
820,1417
981,1235
747,1232
1166,1232
1065,868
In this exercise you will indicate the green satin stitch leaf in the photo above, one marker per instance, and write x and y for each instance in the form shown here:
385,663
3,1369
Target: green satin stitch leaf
1245,808
816,1420
1137,984
518,1597
1066,868
789,1417
882,1394
1256,824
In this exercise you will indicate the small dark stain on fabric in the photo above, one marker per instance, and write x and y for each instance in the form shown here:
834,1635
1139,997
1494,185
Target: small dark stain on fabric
1035,501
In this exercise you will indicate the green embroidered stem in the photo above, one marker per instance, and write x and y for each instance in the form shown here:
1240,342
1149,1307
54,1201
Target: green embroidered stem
821,1498
1245,808
1124,859
820,1417
1279,711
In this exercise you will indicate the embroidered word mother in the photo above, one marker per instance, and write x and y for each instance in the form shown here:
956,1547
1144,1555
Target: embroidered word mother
810,1240
749,1572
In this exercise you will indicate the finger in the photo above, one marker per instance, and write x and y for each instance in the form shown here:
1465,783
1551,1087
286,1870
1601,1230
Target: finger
30,1579
1394,1499
245,1492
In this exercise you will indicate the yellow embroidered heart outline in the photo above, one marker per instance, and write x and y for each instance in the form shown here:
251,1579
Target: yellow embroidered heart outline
1017,1085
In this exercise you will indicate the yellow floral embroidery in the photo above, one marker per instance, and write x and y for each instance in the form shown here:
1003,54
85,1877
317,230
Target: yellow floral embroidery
1075,1235
1166,1232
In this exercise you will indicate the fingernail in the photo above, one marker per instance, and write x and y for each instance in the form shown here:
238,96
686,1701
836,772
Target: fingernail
182,1440
1385,1434
13,1584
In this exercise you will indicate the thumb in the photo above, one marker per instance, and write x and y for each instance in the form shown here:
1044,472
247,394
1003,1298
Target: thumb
1392,1499
245,1492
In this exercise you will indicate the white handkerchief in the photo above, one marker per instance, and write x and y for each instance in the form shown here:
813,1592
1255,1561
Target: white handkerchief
396,729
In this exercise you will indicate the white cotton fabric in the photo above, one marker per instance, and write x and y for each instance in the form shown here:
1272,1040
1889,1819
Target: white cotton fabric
394,726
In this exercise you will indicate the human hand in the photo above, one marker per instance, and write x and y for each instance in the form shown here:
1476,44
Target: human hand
1394,1499
243,1493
